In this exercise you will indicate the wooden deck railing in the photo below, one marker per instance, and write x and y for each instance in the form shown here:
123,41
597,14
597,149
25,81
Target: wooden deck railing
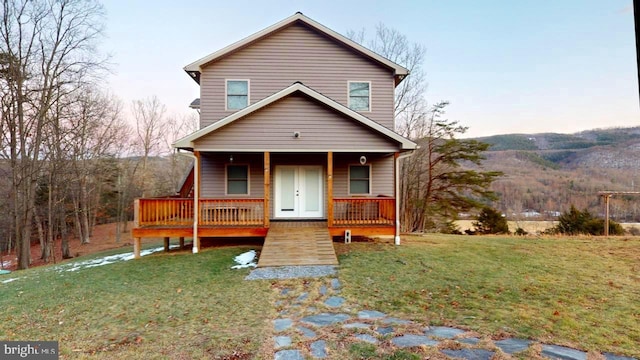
213,212
165,212
364,211
231,212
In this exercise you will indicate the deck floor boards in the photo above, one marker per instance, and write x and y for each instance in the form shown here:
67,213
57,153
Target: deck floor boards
298,243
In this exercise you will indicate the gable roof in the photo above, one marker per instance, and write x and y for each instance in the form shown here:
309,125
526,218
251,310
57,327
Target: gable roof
194,69
188,141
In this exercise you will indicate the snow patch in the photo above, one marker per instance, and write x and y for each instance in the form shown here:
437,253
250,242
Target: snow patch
106,260
245,260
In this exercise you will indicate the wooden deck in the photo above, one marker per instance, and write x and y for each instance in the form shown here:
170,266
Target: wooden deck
298,243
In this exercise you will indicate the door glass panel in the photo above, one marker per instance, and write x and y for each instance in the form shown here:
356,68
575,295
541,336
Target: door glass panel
287,192
312,189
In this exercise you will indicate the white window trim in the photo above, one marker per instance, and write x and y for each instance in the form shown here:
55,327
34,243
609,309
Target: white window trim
226,179
349,180
349,96
226,100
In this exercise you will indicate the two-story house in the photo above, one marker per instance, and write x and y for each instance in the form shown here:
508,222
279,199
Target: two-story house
296,124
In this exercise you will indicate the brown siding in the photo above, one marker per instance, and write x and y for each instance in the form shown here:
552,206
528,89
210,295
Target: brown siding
272,128
292,54
213,182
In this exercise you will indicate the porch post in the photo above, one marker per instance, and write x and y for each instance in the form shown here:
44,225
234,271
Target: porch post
329,188
396,171
267,188
196,201
136,247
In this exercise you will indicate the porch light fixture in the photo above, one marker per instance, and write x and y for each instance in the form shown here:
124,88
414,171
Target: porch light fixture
363,160
296,134
231,158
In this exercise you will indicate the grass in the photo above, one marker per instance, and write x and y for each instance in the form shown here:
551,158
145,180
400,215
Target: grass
172,305
578,292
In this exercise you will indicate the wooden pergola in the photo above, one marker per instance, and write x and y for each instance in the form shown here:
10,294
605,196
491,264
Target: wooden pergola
607,195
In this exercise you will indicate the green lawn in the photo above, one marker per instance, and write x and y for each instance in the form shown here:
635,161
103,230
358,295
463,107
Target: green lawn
579,292
168,306
576,292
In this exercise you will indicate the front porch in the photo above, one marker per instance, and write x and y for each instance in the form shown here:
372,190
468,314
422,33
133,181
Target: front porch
173,217
220,214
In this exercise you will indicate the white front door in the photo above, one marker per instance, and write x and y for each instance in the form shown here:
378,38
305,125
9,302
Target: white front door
299,192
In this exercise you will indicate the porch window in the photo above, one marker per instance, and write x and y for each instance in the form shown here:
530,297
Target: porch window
360,95
359,179
237,94
238,179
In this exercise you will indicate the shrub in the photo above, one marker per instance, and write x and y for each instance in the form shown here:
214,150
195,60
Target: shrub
521,232
491,221
574,222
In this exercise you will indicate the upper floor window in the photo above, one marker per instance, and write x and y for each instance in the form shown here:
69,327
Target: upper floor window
360,95
237,94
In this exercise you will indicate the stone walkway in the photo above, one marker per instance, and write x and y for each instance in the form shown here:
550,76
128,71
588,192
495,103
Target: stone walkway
314,321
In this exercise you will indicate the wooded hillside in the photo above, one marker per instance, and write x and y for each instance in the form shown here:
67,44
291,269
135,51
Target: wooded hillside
549,172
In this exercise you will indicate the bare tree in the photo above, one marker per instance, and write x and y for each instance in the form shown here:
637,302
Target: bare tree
410,102
46,47
151,130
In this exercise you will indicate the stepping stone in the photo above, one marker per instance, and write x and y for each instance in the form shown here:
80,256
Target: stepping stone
470,341
407,341
357,325
282,341
610,356
563,353
306,332
282,324
325,319
319,349
384,330
370,314
323,290
334,301
469,354
284,291
289,355
367,338
511,346
395,321
335,284
303,296
443,332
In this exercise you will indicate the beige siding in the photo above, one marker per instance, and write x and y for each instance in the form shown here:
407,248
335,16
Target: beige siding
381,173
292,54
213,182
272,128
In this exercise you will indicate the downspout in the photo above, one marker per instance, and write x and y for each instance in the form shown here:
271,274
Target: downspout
196,199
397,184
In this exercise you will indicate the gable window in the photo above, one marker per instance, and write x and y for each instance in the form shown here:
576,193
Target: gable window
238,179
360,95
237,94
359,179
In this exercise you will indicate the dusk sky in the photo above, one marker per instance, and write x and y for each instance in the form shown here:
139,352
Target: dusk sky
506,66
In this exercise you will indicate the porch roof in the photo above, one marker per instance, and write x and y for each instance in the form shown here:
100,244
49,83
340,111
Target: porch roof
188,141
